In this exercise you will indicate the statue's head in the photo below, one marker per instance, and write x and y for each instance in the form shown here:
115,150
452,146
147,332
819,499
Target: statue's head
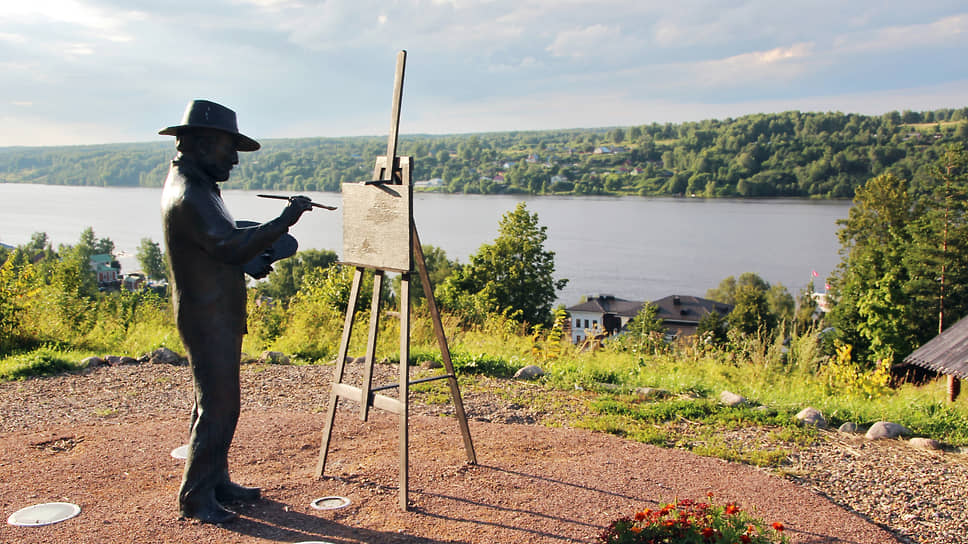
206,114
209,134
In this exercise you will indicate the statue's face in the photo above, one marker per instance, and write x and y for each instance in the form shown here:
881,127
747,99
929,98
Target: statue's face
217,154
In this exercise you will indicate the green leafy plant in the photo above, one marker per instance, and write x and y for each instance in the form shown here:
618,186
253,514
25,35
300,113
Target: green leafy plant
689,522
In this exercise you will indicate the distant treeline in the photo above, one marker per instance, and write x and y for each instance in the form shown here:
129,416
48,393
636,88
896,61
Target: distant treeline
789,154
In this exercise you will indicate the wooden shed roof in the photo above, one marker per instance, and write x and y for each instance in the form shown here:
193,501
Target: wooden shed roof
946,353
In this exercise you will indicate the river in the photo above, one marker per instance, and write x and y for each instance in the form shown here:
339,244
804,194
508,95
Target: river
635,248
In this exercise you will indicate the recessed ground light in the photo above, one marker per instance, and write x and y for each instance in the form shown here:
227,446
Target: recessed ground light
44,514
330,503
181,452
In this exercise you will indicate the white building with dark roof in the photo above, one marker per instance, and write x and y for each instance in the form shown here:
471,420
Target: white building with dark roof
599,314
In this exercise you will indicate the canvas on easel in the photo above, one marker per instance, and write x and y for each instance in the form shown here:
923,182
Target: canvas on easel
379,235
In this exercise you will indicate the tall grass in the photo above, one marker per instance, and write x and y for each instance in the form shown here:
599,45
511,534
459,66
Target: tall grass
783,377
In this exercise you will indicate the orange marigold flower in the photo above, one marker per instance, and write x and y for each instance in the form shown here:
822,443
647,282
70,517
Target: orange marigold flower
745,539
708,532
639,516
750,528
635,529
777,526
731,509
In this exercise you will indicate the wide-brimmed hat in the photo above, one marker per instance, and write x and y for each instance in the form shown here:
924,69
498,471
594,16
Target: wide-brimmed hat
207,114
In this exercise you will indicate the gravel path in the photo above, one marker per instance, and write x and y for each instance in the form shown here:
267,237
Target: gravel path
916,495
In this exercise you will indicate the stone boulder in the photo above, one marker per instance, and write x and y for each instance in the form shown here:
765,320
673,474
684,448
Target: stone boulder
886,429
274,358
811,416
530,372
92,362
925,443
165,356
731,399
651,393
114,360
246,359
849,428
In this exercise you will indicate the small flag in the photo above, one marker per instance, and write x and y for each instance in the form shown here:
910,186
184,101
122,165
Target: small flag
815,274
826,286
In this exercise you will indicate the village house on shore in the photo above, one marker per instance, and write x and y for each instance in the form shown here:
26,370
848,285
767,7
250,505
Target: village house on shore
608,314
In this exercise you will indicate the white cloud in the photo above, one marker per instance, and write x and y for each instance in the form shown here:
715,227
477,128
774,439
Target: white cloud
598,42
775,66
11,37
78,49
947,31
761,58
527,63
108,25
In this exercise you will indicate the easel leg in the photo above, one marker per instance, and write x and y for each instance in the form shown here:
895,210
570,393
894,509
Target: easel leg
340,365
371,344
444,349
404,390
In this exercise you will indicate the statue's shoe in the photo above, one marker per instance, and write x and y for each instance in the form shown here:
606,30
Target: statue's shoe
232,492
209,511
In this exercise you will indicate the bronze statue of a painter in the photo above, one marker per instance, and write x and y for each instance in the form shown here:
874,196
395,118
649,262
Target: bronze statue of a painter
207,251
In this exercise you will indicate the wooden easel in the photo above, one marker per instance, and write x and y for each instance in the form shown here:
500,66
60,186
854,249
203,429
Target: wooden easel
386,240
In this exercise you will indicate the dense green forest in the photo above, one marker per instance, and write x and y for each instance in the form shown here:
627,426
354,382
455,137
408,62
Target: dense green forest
789,154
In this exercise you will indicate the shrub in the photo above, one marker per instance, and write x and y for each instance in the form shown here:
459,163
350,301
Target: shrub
41,362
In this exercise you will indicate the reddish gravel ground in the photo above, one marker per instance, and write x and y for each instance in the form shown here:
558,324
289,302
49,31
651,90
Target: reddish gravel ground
532,483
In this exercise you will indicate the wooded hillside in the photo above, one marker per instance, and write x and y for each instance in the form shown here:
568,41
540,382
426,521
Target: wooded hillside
789,154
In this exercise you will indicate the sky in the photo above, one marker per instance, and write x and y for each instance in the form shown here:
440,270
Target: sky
105,71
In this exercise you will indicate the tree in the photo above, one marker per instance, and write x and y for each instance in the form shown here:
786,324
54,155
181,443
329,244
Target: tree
438,268
645,332
728,287
712,329
780,302
152,260
938,259
866,297
287,275
806,312
751,312
758,304
515,272
90,245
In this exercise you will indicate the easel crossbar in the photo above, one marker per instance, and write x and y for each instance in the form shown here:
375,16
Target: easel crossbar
413,382
388,404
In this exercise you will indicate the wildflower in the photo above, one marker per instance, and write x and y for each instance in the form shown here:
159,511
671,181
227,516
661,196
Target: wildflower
777,526
689,521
